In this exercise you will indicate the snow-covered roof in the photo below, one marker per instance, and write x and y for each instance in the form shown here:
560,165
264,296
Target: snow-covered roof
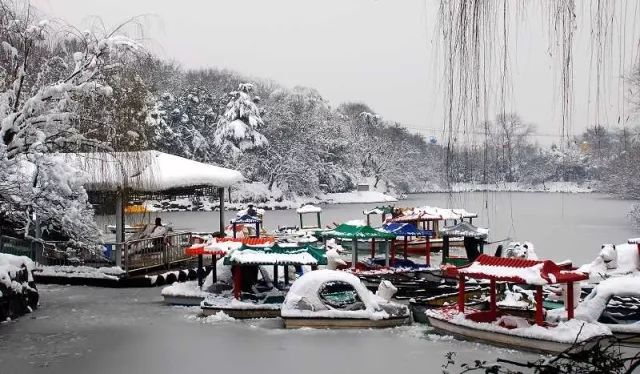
405,229
149,171
465,229
431,213
514,270
309,208
276,255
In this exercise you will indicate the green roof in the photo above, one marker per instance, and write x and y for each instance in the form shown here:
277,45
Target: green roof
347,231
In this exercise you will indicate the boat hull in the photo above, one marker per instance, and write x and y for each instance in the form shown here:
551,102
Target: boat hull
183,300
242,313
343,323
497,338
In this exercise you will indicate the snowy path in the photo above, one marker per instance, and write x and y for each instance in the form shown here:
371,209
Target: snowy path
96,330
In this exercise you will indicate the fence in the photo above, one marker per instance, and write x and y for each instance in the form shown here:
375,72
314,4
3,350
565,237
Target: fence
133,256
152,253
18,247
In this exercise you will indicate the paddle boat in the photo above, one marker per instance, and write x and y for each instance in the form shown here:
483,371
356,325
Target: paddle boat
614,302
219,279
338,300
252,297
613,261
498,327
432,218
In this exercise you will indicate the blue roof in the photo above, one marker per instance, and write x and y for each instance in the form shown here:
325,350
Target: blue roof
246,219
405,229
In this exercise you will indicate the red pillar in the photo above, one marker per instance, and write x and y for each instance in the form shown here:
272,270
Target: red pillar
406,243
461,293
539,315
492,297
570,300
428,244
237,281
373,248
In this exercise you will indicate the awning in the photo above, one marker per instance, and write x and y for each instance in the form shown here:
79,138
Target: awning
515,270
405,229
349,231
466,230
276,255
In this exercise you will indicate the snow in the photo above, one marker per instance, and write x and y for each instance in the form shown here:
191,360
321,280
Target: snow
309,208
226,300
186,289
565,187
249,256
149,171
531,274
563,332
357,197
303,299
627,261
595,303
113,273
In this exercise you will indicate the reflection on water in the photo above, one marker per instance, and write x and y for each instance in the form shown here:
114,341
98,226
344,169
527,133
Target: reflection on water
561,226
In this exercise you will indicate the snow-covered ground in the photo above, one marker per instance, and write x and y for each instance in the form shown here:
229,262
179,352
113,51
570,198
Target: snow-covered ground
259,195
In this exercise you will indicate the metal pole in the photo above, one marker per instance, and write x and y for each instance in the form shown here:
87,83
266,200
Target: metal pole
354,253
200,271
221,206
386,253
570,300
120,222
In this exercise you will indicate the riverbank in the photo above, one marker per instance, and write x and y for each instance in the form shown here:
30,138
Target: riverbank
556,187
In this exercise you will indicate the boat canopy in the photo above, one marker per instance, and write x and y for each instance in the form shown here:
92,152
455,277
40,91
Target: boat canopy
308,208
405,229
379,210
353,231
430,213
276,254
246,219
466,230
515,270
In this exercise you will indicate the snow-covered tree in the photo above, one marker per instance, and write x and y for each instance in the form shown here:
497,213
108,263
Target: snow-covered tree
40,101
237,129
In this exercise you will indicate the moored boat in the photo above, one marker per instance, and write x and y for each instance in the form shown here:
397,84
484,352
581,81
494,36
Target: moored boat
495,326
338,300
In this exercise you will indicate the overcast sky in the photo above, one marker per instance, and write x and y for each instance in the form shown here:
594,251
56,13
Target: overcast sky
380,52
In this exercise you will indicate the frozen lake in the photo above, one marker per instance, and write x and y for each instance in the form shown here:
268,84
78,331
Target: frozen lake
93,330
561,226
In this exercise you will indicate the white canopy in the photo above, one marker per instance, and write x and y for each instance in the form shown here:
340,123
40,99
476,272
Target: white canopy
149,171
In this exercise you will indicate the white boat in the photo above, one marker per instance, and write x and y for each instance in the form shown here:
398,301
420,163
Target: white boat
495,326
615,302
336,299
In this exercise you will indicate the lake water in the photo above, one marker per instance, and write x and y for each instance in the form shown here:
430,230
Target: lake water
561,226
98,330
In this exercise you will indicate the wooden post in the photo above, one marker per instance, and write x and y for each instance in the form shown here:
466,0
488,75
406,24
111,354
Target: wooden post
368,220
461,293
318,219
214,268
386,253
428,241
237,281
406,244
301,222
221,207
200,271
286,275
492,297
275,276
393,252
373,248
539,313
257,229
445,249
354,253
570,301
233,225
